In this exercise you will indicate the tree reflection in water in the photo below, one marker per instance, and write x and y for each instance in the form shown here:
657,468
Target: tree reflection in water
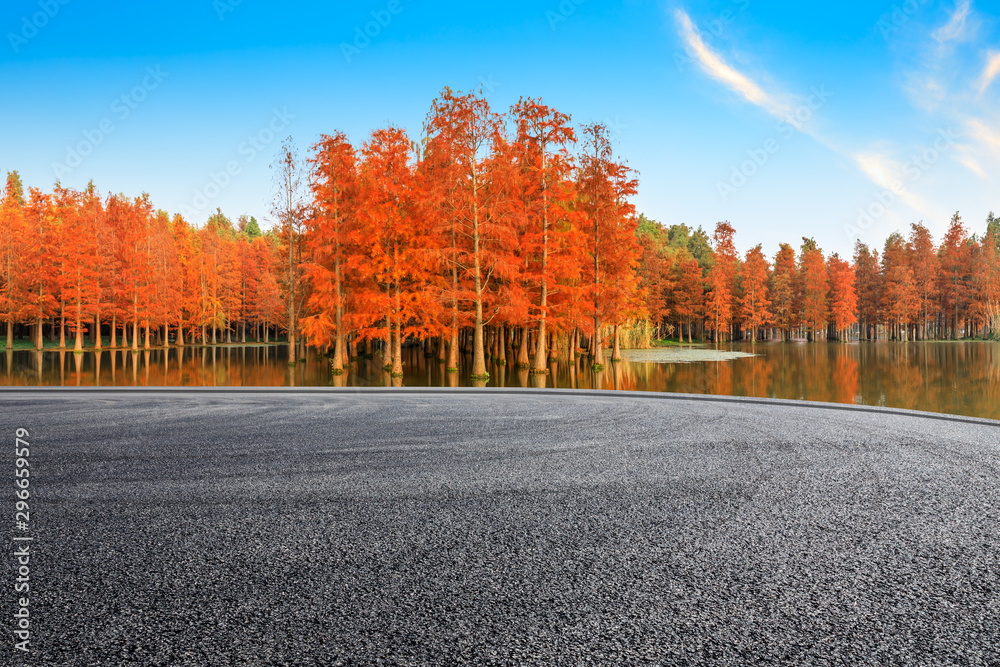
958,378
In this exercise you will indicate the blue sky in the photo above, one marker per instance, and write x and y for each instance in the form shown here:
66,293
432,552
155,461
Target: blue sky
831,120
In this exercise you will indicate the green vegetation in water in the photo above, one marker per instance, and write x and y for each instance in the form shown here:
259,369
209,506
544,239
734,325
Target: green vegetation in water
681,355
673,342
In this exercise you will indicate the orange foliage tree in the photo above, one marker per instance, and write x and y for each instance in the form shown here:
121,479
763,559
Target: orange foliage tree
754,304
843,297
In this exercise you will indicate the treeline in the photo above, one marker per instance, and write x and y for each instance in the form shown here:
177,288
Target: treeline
913,290
77,264
489,234
507,236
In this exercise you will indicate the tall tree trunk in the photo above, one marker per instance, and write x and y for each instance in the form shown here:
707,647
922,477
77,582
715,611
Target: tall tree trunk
616,354
523,361
597,343
78,343
541,351
397,350
478,356
452,365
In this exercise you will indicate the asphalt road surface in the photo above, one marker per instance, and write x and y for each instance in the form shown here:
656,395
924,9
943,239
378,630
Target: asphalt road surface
509,527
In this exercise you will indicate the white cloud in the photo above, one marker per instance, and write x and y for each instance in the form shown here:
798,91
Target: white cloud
718,69
889,174
970,163
991,71
986,135
878,167
956,29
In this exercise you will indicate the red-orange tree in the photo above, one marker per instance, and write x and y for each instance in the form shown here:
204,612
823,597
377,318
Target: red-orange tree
11,251
605,189
953,280
815,286
552,237
783,281
843,297
754,304
722,281
331,230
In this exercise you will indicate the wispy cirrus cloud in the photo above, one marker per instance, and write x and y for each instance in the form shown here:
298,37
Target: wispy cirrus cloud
990,72
955,86
719,69
879,167
958,26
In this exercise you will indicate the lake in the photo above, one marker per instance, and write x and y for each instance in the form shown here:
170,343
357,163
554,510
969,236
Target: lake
952,377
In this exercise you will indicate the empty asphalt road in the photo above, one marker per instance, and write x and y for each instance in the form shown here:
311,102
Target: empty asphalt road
432,527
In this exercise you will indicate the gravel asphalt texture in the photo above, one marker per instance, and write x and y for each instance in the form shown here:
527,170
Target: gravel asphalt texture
353,526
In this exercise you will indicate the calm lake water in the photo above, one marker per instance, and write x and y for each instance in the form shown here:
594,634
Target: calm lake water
957,378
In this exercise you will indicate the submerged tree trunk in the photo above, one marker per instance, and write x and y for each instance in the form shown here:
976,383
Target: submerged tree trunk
78,343
523,361
597,344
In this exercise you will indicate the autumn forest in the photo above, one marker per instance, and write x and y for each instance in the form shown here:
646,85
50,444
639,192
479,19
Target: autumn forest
509,236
